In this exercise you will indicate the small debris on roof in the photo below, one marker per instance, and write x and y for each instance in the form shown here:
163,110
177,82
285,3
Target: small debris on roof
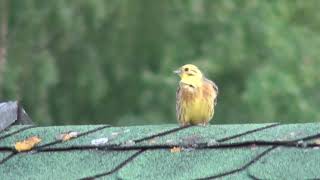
129,143
67,136
152,141
292,134
188,149
212,142
302,143
126,131
317,141
170,141
27,144
175,149
115,133
192,140
100,141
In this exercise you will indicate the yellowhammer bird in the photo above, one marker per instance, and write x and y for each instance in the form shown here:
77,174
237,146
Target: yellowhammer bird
196,96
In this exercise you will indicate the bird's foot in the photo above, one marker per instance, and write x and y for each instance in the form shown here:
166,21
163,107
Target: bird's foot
184,124
204,124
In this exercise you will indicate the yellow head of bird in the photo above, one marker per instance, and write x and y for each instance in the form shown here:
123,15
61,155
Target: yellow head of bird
190,74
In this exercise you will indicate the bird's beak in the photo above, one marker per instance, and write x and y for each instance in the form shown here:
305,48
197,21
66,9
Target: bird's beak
178,71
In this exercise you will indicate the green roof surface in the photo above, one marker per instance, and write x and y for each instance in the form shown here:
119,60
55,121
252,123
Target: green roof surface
243,151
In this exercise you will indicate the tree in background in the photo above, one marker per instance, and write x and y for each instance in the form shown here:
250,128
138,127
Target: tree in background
3,38
86,62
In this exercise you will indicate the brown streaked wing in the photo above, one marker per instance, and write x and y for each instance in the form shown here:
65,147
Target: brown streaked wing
178,102
215,87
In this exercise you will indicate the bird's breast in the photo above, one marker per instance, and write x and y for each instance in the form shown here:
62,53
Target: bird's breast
189,93
197,103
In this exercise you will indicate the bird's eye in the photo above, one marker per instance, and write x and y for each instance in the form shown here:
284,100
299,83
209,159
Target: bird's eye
186,69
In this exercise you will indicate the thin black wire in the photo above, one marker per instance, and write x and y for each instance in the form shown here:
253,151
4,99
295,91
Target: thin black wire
79,135
167,146
253,176
16,132
220,140
117,147
6,149
11,155
247,132
134,155
308,137
14,152
115,169
275,144
162,133
136,141
245,166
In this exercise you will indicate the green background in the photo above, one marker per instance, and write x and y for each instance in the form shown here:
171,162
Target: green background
111,62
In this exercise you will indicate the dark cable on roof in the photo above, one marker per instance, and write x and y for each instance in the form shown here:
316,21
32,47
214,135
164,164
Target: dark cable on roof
116,147
167,146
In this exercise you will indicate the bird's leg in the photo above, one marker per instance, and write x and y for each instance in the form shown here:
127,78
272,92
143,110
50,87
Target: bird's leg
183,124
204,124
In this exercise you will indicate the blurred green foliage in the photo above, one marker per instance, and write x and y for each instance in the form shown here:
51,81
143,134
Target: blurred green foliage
90,62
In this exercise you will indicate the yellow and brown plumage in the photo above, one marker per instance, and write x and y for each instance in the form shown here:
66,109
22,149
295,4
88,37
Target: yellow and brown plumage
196,96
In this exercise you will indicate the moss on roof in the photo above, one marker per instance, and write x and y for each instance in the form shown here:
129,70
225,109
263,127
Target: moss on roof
246,151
